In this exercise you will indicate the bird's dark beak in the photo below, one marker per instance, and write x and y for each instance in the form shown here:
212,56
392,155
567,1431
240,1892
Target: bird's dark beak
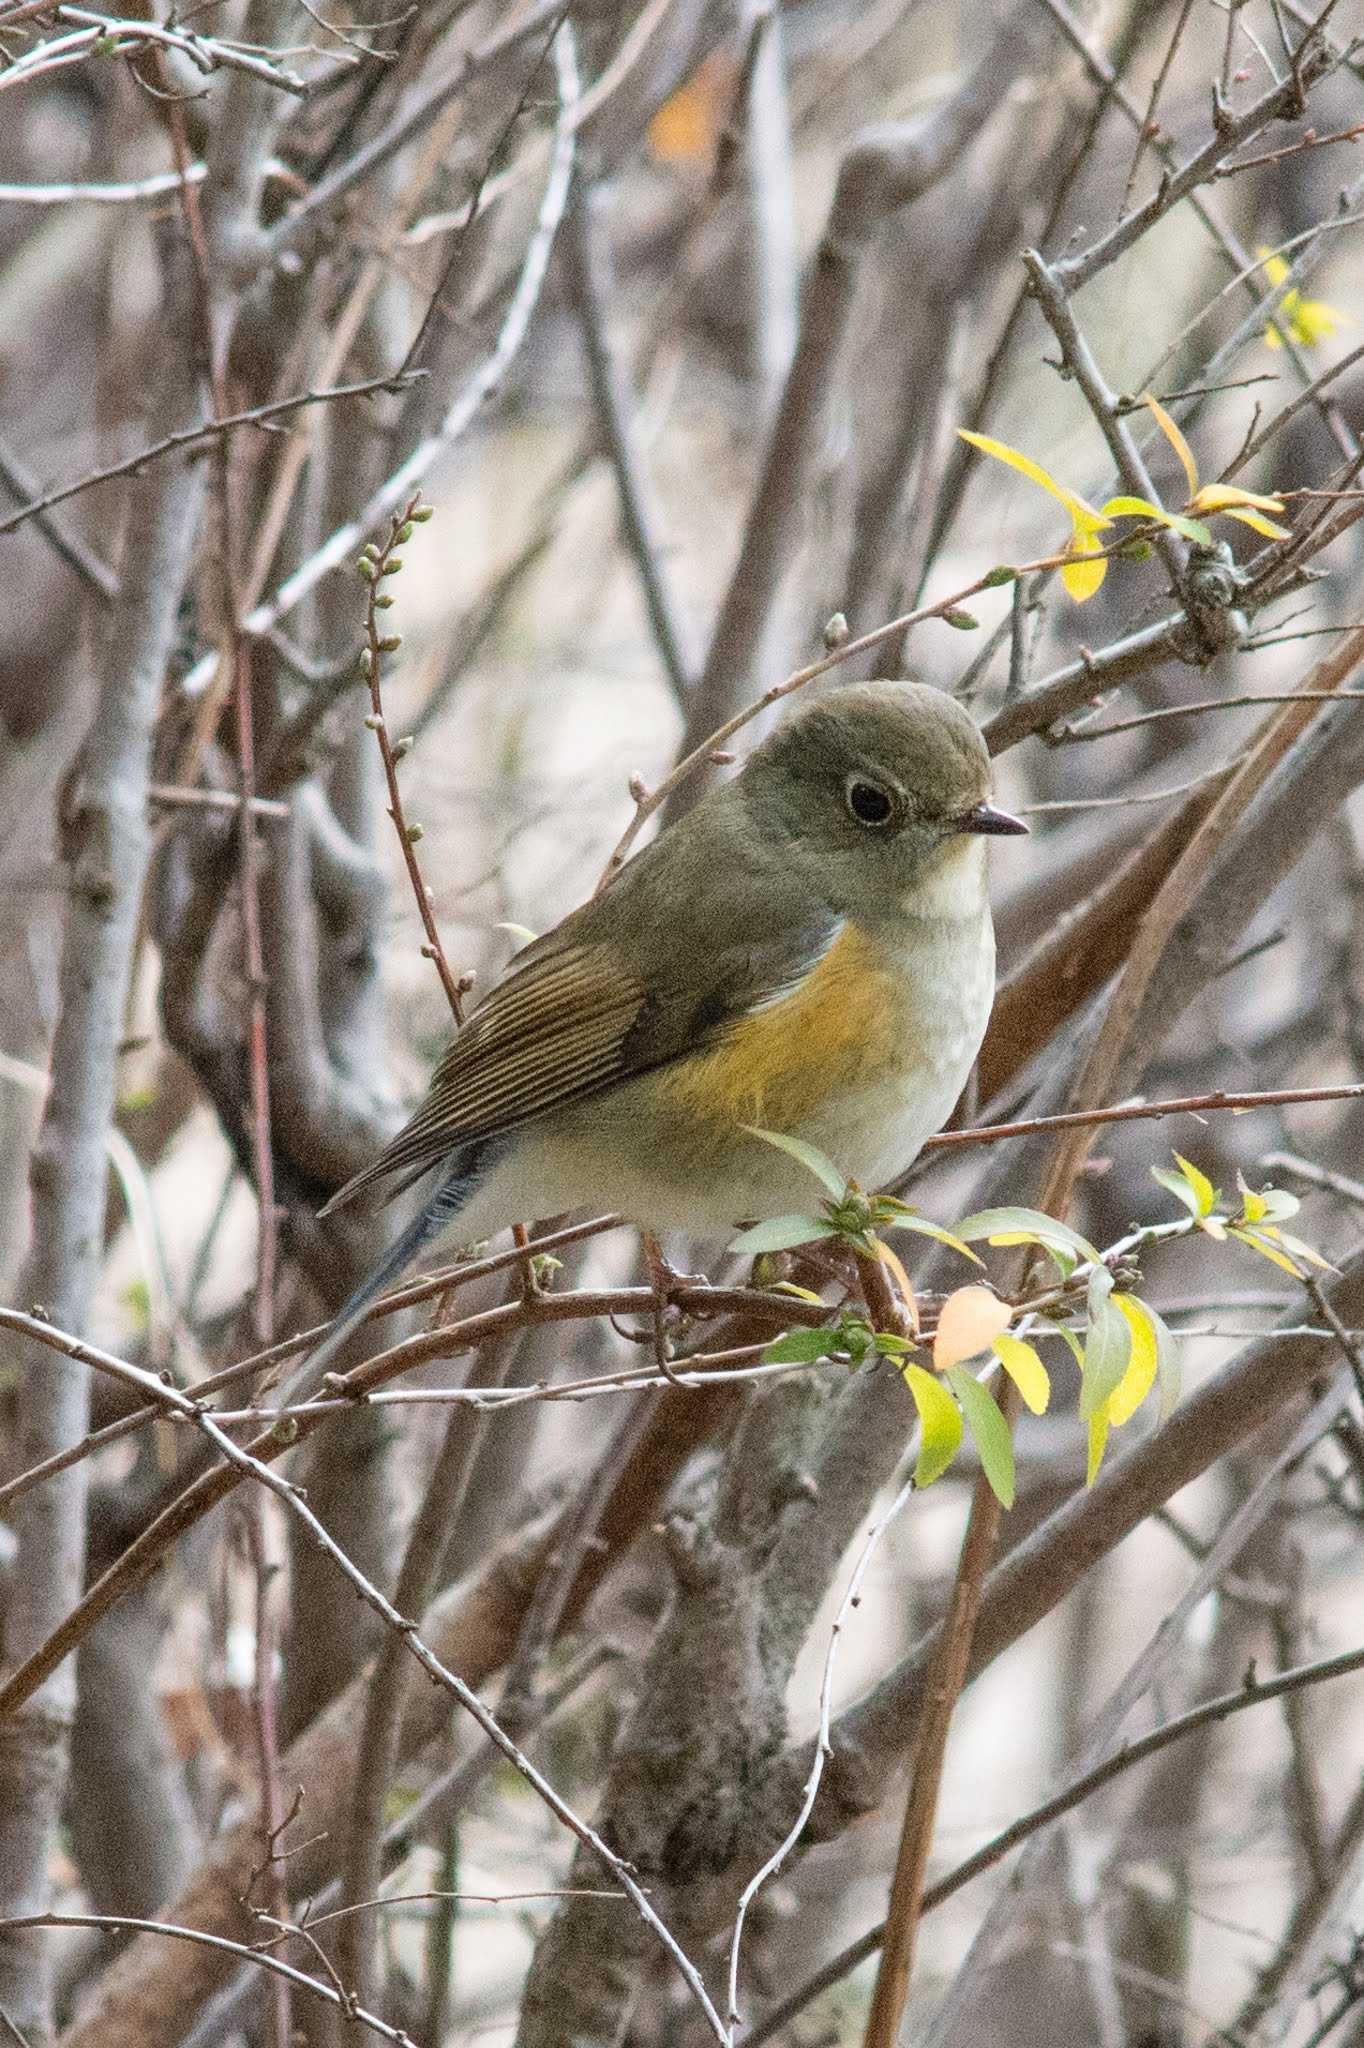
985,818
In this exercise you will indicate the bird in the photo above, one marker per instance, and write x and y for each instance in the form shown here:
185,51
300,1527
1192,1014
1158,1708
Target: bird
807,951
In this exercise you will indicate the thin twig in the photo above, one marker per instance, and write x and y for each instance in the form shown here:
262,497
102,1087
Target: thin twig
585,262
465,408
293,1500
647,802
1254,1692
851,1599
1139,1112
379,562
123,1923
192,437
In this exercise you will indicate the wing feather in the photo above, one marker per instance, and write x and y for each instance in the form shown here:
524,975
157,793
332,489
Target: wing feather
556,1029
569,1021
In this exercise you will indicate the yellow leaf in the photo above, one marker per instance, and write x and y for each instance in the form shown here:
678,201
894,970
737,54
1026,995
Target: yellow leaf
1299,1249
687,126
1175,439
1308,321
1219,497
1261,524
1083,573
902,1281
1247,506
1135,508
1199,1182
1025,1369
1139,1378
1312,320
1081,577
1259,1243
969,1321
940,1424
1082,513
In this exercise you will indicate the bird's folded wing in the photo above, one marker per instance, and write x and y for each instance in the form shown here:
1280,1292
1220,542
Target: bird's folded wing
569,1022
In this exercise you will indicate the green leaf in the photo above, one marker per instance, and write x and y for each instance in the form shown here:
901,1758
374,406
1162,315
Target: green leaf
1025,1368
939,1424
1108,1347
1192,529
856,1338
1279,1204
1003,574
1300,1249
1179,1187
1027,1226
920,1226
1142,508
1077,1349
991,1432
1098,1437
802,1347
781,1234
810,1157
1134,508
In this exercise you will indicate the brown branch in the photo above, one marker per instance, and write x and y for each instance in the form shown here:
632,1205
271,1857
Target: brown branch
1138,1112
378,562
586,265
406,1630
198,1499
93,570
390,1681
649,802
951,1653
951,1661
1180,890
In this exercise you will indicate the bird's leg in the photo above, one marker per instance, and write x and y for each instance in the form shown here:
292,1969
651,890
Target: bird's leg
662,1279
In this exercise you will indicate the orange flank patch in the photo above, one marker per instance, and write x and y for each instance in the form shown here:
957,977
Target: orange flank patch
844,1025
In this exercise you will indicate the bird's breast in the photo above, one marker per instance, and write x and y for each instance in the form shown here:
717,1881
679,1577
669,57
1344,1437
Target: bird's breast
877,1037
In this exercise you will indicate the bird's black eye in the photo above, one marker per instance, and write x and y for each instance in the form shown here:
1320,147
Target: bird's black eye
869,803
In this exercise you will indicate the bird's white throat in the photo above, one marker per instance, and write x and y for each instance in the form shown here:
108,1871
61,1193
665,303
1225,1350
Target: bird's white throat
952,885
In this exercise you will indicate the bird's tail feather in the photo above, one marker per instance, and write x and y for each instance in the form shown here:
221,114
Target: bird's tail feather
431,1219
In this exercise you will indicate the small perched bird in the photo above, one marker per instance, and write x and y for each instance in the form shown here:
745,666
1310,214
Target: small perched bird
809,951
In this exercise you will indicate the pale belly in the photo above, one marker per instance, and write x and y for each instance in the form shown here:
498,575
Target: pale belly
648,1152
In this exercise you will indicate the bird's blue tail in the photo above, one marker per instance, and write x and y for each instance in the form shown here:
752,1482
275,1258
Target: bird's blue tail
457,1184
